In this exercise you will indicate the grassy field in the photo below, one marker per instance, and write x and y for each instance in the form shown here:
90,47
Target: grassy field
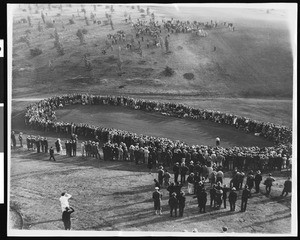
192,132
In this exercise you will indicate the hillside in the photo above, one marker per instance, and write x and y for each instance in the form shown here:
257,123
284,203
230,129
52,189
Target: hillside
255,60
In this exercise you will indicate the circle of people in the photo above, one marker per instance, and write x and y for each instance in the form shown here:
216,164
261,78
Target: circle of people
128,146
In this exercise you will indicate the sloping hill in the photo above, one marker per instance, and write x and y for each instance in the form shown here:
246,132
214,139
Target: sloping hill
253,61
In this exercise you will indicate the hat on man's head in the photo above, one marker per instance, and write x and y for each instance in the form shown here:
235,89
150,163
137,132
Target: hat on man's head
156,188
258,172
233,189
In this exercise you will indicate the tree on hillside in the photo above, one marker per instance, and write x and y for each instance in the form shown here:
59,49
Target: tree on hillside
49,7
111,24
29,21
148,10
57,44
87,21
167,44
80,35
95,8
87,62
29,8
161,42
25,39
84,11
40,28
60,7
43,17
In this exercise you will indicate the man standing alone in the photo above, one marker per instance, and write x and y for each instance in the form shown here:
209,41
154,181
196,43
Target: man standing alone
51,151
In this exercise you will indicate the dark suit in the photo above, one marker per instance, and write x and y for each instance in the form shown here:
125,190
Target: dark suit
232,200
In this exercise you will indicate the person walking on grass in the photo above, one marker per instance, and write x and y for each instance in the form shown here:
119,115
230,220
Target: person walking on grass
66,217
287,187
51,151
269,183
157,196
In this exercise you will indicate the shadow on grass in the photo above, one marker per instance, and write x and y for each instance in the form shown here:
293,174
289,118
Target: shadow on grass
49,221
268,221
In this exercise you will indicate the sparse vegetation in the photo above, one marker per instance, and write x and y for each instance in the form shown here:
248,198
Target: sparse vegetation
168,72
49,24
35,52
80,35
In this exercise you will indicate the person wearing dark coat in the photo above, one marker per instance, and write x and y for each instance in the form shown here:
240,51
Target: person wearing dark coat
183,171
157,196
171,189
250,181
52,154
202,199
28,142
46,144
161,173
181,203
156,183
245,196
177,188
173,203
225,191
176,170
287,188
218,195
74,147
66,217
38,144
232,198
257,180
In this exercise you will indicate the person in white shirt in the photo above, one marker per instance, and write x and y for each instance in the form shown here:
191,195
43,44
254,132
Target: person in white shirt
64,200
217,141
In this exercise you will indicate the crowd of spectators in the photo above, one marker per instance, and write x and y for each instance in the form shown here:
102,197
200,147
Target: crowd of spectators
124,145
